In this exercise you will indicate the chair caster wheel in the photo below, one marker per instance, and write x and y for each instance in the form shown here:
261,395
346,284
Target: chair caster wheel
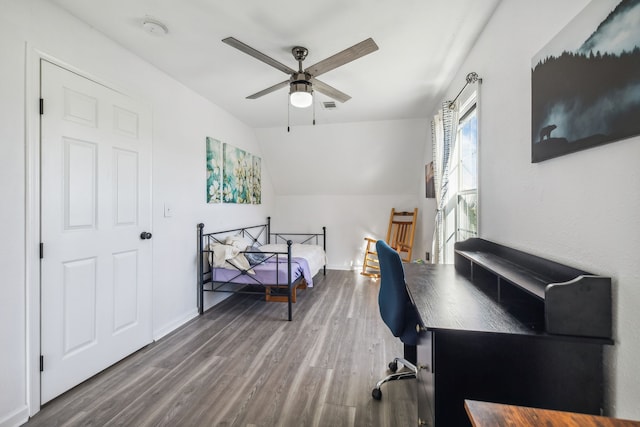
376,393
393,366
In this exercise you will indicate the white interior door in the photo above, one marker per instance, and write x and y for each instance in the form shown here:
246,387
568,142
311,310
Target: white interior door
95,203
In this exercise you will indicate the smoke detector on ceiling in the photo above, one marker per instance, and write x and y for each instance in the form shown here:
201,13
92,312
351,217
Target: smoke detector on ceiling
155,27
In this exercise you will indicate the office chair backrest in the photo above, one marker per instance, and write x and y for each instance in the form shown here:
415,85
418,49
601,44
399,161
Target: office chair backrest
395,306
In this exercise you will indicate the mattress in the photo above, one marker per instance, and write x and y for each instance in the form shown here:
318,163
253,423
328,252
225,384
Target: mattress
314,254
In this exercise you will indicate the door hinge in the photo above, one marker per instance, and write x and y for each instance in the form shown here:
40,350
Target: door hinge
41,250
41,363
41,106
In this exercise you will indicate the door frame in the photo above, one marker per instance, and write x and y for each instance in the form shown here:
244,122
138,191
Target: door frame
33,75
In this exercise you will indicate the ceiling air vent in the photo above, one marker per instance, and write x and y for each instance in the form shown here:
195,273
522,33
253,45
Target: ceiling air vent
329,105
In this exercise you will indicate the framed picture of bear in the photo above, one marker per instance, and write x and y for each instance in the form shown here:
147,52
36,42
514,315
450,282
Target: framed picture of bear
585,83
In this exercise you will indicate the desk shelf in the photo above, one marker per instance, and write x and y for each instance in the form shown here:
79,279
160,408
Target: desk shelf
571,301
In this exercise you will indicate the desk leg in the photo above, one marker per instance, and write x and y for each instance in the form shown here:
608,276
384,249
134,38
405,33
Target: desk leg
410,353
425,380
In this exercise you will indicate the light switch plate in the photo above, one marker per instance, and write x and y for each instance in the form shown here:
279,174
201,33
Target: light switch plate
168,210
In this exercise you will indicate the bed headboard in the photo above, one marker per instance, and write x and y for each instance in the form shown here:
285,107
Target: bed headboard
259,234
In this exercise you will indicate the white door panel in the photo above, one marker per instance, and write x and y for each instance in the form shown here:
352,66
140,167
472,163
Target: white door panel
125,184
96,201
79,191
78,305
125,290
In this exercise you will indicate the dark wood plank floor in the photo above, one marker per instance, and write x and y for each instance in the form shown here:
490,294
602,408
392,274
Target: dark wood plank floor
243,364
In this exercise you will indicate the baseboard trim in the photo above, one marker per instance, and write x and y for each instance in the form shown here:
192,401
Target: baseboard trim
167,329
17,418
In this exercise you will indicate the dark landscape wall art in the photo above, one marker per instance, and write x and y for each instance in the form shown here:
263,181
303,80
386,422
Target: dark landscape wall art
585,84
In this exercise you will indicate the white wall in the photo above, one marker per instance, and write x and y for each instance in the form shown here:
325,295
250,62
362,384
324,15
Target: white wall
347,177
12,246
580,209
182,119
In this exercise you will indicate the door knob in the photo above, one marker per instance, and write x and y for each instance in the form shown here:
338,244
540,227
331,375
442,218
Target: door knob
145,235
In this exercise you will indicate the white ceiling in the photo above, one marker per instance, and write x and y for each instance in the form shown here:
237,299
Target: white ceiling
421,46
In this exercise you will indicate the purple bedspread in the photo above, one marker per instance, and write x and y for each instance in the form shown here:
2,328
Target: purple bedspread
267,273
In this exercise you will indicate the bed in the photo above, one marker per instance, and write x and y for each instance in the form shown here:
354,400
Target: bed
253,260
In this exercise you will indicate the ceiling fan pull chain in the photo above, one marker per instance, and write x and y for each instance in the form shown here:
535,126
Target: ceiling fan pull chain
314,112
288,116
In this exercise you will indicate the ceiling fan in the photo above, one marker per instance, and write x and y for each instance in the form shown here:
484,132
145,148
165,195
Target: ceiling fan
302,83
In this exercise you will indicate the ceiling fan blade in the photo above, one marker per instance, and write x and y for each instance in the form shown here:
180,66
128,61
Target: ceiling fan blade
258,55
361,49
330,91
269,90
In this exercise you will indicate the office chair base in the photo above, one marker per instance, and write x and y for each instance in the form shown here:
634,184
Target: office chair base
376,393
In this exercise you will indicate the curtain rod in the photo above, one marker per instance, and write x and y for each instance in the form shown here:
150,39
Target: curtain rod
471,78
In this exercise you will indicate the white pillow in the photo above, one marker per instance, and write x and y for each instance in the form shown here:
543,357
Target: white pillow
220,255
239,242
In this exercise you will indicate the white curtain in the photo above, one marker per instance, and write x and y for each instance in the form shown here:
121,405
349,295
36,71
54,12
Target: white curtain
443,134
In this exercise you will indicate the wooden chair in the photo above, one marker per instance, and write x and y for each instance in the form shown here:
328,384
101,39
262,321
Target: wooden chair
400,235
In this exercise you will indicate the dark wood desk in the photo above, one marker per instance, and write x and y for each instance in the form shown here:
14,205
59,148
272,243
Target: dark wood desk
474,346
486,414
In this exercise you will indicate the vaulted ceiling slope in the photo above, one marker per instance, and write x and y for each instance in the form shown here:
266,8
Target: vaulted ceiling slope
421,45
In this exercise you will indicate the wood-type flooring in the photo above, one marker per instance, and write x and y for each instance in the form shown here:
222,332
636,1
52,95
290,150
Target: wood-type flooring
243,364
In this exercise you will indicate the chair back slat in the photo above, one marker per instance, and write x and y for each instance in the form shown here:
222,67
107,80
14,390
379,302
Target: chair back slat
401,232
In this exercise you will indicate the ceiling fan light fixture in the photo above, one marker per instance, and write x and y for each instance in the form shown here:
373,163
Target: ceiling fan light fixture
301,94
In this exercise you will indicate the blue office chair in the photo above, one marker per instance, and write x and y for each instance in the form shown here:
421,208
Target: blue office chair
397,312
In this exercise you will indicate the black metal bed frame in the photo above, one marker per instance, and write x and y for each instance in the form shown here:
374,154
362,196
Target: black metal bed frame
259,234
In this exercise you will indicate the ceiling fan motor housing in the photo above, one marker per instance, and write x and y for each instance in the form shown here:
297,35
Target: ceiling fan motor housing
299,82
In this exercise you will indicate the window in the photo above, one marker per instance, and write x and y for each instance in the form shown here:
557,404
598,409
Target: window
461,208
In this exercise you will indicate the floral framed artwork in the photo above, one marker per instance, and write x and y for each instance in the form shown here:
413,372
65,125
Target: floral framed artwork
214,171
236,175
256,180
233,175
585,83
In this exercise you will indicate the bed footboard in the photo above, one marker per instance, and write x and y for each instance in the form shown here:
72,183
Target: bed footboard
319,239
